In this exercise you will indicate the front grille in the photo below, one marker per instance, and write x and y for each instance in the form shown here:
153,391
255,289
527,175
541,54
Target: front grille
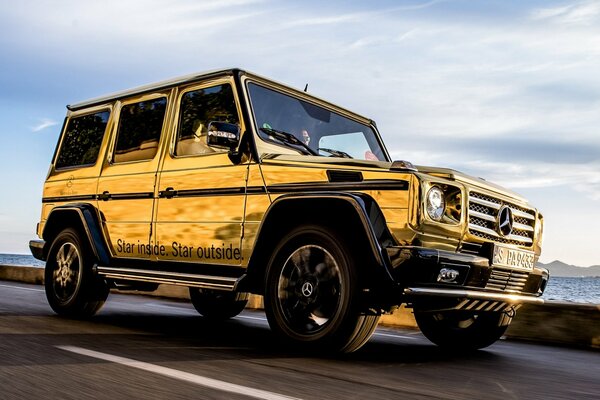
483,220
507,280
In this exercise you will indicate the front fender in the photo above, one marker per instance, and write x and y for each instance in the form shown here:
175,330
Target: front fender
357,209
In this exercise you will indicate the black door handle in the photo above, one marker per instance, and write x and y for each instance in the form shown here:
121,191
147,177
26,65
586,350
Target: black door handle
104,196
167,193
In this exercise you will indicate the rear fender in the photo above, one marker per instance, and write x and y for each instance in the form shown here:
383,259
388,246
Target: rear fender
83,217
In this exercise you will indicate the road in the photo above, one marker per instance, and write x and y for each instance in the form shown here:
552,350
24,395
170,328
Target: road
142,347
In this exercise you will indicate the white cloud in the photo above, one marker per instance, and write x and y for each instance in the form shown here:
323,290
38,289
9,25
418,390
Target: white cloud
581,178
44,123
578,13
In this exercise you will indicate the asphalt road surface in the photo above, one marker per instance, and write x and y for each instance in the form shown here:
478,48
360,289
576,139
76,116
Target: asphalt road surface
143,348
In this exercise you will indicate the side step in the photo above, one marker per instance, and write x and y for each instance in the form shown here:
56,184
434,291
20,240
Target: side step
170,278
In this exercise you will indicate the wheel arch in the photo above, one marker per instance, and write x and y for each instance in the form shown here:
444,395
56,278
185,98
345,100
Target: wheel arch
83,217
356,215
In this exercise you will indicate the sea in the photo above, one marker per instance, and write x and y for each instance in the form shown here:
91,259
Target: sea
576,290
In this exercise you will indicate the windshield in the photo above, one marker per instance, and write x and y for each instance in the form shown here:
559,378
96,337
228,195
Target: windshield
324,132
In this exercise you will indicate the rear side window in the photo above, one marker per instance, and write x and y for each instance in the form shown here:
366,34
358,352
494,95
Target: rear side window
81,143
140,125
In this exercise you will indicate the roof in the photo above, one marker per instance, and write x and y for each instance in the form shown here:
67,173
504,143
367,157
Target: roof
151,87
197,77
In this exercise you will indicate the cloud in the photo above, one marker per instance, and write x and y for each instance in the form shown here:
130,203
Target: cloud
578,13
582,178
44,123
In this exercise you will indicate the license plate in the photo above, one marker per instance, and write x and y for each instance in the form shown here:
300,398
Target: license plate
511,258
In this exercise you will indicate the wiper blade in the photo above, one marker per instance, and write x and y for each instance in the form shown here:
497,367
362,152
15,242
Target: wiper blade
289,139
336,153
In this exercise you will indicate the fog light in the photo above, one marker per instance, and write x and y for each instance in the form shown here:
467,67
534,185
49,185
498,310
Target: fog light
447,275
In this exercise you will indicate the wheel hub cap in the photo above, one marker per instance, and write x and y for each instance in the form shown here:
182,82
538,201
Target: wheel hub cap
307,289
310,289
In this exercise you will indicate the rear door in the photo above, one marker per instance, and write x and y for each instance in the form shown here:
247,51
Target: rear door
126,185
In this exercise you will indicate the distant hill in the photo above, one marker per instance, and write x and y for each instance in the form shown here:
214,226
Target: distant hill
559,268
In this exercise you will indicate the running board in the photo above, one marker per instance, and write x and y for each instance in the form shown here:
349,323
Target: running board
170,278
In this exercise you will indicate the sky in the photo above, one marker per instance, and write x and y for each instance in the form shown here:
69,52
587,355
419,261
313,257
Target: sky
505,90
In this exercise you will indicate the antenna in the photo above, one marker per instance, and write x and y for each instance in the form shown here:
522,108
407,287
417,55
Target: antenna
306,87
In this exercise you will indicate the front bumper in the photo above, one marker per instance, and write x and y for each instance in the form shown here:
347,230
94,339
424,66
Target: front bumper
478,285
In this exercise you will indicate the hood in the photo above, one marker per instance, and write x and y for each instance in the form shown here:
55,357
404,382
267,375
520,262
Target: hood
458,176
445,173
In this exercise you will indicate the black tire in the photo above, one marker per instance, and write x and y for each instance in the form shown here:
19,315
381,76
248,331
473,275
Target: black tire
218,305
72,288
462,331
312,292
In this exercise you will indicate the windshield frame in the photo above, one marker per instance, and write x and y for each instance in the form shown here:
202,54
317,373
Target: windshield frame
265,147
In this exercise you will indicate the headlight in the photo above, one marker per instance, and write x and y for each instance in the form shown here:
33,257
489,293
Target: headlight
435,203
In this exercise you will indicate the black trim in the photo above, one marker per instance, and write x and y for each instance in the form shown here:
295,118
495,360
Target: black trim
283,188
100,196
247,135
291,188
339,175
203,192
131,196
57,199
355,186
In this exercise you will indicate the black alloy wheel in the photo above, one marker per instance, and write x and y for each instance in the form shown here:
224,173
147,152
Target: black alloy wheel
312,292
72,288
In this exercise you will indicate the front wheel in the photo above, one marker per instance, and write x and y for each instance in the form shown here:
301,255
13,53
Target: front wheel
462,331
72,288
312,292
218,305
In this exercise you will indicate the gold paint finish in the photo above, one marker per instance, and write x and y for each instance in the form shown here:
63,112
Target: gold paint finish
207,208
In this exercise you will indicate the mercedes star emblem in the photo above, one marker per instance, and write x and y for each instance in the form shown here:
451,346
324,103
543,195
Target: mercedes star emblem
505,221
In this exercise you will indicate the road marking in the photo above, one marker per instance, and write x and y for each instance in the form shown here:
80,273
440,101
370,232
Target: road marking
255,318
23,288
394,336
181,375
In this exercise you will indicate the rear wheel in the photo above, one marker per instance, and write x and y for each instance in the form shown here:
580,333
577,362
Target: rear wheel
72,288
218,305
462,331
312,292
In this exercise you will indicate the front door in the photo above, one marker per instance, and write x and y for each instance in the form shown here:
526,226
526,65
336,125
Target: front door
200,209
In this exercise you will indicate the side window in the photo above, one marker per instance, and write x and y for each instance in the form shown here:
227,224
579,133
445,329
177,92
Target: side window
82,140
140,125
198,108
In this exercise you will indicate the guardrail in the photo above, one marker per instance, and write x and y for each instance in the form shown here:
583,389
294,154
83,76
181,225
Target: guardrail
572,324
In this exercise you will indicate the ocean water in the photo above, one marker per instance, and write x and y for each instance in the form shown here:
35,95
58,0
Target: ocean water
20,259
577,290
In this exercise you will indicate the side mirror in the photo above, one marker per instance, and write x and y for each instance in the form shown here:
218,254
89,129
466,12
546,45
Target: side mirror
223,135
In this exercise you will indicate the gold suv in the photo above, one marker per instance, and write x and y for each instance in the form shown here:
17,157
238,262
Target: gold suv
230,184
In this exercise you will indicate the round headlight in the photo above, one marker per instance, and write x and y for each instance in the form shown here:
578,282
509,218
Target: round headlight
435,203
